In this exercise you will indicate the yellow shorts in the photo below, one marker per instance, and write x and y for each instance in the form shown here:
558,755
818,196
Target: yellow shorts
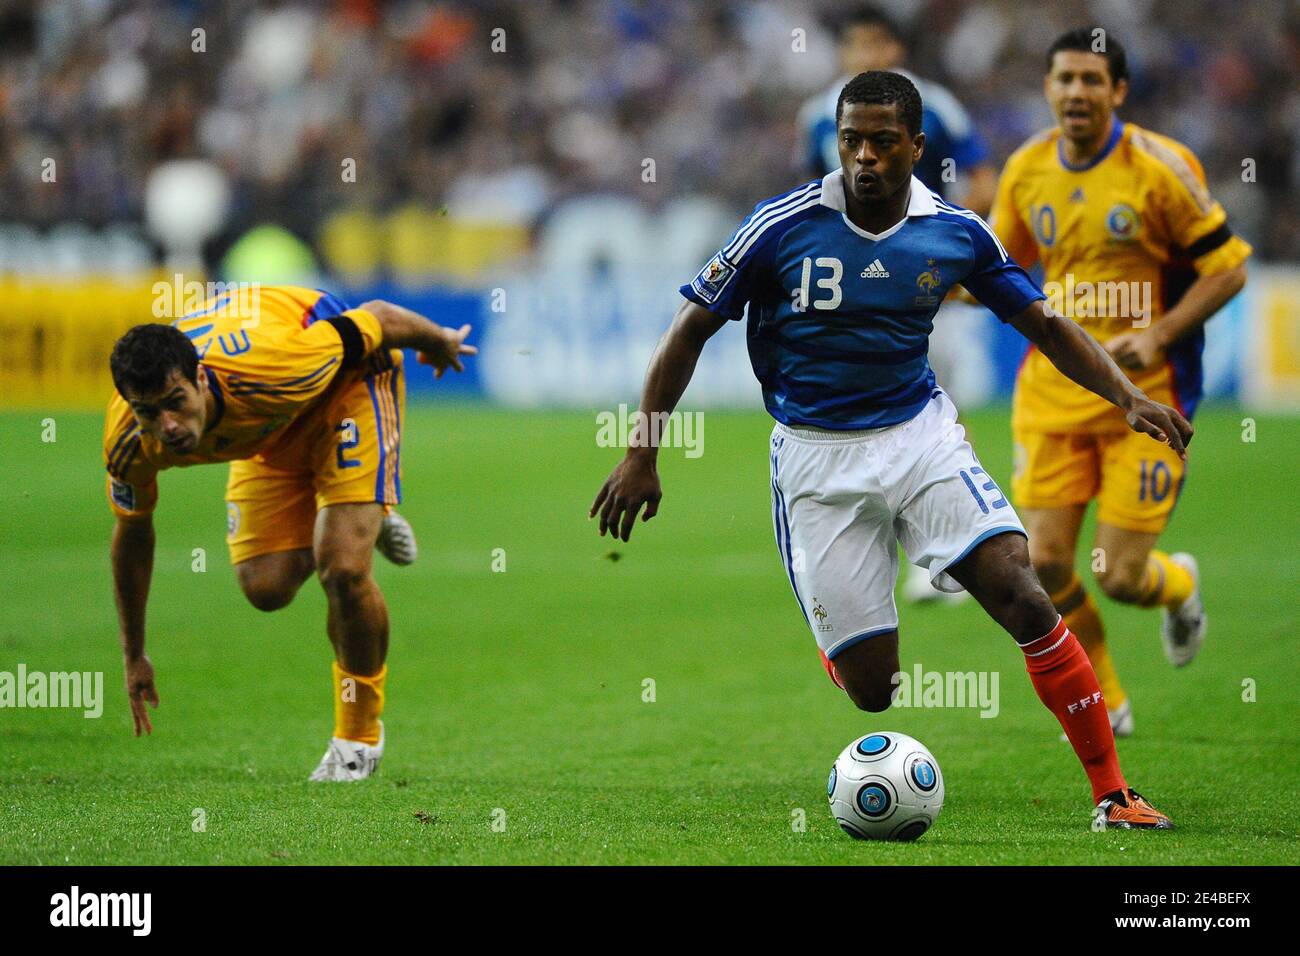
347,450
1135,479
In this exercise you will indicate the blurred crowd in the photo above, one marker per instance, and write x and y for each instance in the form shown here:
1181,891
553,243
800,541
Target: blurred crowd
343,120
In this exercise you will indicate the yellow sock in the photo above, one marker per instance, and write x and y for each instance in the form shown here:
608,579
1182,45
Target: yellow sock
358,702
1167,584
1079,611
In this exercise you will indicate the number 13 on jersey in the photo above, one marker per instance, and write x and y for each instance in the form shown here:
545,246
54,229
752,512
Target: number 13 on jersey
831,283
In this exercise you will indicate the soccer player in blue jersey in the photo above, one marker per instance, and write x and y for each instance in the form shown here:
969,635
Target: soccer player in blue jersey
867,38
842,277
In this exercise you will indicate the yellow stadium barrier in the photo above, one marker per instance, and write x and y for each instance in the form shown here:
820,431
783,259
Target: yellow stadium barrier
57,337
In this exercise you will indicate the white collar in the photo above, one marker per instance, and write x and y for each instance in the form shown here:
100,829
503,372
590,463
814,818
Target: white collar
920,202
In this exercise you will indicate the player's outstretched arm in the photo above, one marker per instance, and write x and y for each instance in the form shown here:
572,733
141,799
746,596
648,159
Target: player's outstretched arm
437,346
1083,359
132,554
634,482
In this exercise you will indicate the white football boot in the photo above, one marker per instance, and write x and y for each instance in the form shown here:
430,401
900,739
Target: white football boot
1183,630
917,588
1121,720
349,760
396,540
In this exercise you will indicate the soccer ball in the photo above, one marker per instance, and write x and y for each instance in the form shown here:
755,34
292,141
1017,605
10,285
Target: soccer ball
885,786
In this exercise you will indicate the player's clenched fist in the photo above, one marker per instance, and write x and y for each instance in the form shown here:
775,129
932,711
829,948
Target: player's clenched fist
633,482
1135,351
1160,422
139,689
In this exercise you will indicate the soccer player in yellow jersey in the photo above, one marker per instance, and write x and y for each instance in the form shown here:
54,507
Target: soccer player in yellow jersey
1135,250
305,398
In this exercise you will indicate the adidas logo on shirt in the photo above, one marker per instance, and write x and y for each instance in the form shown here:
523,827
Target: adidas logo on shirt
876,270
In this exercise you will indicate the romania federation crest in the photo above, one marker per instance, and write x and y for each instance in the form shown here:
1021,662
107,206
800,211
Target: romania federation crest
1122,222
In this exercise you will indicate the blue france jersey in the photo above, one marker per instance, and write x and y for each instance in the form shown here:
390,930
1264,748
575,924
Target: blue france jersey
839,318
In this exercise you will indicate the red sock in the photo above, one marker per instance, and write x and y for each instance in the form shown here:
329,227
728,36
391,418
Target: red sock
1068,687
830,669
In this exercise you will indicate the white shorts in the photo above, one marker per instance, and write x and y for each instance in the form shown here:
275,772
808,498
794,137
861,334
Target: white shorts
842,501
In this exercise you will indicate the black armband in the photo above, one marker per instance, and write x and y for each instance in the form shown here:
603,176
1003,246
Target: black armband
354,347
1209,242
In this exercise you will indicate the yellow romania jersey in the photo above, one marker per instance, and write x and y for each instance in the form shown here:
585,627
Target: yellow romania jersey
270,356
1120,238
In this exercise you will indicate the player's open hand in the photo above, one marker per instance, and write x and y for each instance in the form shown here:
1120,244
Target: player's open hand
634,482
139,689
1161,422
448,350
1135,351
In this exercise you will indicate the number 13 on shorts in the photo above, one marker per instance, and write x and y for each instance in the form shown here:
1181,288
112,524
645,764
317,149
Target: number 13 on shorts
992,499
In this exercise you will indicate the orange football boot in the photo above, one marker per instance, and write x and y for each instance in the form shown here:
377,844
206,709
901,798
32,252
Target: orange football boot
1131,811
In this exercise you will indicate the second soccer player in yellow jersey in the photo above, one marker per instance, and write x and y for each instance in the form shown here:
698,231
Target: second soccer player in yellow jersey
1137,252
304,397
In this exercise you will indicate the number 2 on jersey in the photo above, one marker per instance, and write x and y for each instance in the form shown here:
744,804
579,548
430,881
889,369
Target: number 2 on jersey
349,437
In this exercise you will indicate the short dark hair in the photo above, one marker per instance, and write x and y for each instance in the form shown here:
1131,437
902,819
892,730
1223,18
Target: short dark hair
1084,39
883,87
868,15
145,357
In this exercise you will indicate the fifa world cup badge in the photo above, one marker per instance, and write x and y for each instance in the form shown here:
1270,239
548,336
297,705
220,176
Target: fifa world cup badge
713,278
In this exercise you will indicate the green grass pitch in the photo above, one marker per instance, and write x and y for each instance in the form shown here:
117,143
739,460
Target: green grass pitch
522,691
